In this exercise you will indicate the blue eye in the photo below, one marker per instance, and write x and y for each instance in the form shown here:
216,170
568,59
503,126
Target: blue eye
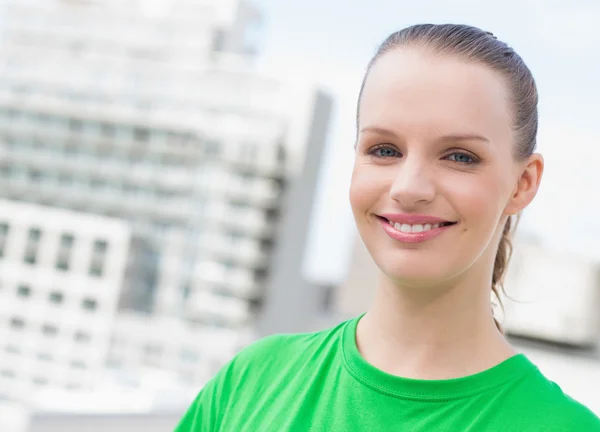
462,158
384,152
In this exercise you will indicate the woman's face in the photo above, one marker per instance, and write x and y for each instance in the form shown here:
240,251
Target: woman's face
435,146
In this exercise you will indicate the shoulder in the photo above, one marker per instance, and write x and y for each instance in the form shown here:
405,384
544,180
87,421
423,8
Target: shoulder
287,349
566,414
549,409
267,362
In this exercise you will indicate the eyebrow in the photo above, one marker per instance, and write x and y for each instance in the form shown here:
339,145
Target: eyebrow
449,138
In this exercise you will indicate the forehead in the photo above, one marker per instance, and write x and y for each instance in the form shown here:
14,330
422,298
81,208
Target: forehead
418,91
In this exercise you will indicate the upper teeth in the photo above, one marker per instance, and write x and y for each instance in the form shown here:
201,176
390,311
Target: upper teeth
405,228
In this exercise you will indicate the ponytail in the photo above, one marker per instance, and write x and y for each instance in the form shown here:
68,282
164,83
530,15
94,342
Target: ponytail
505,249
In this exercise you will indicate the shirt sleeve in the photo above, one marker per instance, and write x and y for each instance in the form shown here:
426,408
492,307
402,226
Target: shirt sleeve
206,411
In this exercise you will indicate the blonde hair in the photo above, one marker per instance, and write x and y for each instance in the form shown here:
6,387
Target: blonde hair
503,255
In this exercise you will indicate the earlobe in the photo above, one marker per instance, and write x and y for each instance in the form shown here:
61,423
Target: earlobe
527,185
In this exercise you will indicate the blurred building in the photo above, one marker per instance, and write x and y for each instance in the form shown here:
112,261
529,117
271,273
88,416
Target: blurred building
149,111
192,353
156,404
146,118
114,422
14,417
355,295
117,410
552,296
60,277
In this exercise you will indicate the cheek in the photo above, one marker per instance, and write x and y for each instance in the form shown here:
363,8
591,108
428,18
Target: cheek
365,189
479,200
357,195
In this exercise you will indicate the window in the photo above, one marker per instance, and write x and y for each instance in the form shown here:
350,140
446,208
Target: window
82,337
78,364
10,142
141,134
17,323
44,118
64,251
12,349
5,171
98,258
212,148
272,215
328,293
71,150
219,40
12,114
35,175
89,304
49,330
186,290
108,129
44,356
40,381
131,189
248,152
75,125
31,248
23,291
153,350
73,387
245,176
228,265
92,128
260,275
234,238
65,178
266,245
114,364
8,374
124,132
237,206
4,229
97,183
281,154
189,355
56,297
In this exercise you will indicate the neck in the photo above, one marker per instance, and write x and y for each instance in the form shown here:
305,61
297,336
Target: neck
440,333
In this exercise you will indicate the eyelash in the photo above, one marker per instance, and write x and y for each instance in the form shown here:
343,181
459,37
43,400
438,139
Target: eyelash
373,151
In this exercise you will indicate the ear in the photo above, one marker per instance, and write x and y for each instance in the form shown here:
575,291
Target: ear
527,185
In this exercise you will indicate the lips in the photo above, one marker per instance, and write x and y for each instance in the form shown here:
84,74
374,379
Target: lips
416,227
414,219
421,227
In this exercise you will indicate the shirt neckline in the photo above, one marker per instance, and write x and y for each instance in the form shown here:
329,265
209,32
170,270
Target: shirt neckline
433,390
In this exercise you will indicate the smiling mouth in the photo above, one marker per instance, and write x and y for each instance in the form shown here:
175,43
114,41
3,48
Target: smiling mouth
416,227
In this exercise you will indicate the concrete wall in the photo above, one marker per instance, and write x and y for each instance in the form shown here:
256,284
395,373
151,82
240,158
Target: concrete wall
104,422
291,302
354,296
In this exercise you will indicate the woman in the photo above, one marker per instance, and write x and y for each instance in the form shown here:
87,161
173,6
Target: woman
447,124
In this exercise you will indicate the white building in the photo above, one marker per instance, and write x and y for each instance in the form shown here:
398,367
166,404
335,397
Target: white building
193,354
149,111
60,276
14,416
552,296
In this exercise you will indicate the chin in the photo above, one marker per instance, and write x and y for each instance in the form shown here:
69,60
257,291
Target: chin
413,271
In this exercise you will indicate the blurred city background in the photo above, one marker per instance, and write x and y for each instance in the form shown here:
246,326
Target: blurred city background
173,186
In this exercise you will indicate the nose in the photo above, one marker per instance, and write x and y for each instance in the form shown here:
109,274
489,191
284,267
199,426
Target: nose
414,183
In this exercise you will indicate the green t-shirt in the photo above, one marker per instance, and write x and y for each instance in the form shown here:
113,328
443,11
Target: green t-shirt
319,382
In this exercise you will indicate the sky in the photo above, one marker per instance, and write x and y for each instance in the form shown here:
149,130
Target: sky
332,41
